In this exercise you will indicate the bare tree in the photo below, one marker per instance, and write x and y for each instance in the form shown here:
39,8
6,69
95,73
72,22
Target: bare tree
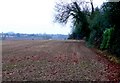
78,11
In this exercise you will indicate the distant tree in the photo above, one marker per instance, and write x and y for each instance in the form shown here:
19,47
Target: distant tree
3,36
18,34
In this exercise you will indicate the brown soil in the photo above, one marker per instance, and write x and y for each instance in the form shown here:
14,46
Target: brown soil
55,60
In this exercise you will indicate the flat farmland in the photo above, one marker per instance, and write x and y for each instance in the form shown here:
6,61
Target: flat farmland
31,60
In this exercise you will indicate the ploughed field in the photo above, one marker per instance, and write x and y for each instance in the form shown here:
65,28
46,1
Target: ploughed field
54,60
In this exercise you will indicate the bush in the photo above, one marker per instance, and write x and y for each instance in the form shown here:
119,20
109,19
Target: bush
106,38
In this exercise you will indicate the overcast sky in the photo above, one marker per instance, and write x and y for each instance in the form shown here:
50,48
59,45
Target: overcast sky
31,16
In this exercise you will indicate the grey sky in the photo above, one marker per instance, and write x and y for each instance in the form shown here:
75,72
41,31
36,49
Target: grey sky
31,16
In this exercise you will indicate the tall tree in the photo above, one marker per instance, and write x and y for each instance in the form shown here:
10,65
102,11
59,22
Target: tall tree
78,15
114,15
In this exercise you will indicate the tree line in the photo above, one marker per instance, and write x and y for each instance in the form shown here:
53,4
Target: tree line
24,36
99,26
